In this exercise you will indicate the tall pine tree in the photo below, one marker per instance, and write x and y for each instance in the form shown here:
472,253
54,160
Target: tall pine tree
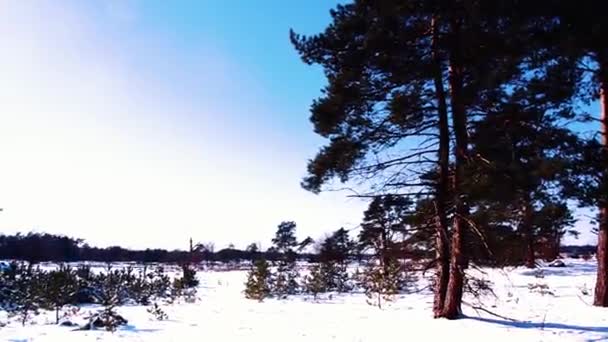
398,72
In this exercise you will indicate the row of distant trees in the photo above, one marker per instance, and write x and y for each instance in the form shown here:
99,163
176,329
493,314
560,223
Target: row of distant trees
40,247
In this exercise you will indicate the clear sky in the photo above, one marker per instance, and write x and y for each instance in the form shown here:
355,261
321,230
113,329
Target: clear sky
142,122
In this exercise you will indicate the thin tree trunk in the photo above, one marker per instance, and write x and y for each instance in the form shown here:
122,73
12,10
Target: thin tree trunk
558,245
452,306
441,231
528,232
385,252
601,284
555,245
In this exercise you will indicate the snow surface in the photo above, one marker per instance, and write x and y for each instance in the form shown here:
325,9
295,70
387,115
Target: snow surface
223,314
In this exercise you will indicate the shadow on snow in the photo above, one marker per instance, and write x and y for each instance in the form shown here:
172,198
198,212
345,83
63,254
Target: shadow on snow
563,271
542,325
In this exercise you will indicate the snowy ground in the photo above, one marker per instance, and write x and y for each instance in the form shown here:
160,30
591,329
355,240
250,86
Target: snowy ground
223,314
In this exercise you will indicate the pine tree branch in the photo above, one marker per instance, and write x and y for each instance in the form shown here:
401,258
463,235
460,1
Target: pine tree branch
477,231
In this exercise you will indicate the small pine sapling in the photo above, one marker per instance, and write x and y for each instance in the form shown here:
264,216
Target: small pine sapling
185,286
27,292
382,282
112,285
285,280
160,283
110,288
7,286
157,312
334,254
131,289
189,295
188,278
88,292
139,287
60,289
316,281
258,280
540,286
107,319
342,279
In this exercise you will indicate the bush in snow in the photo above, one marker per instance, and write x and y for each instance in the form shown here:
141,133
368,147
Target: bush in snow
139,287
87,292
188,279
185,286
541,288
68,312
7,279
25,292
157,312
145,286
112,290
129,286
258,280
26,289
189,295
160,283
107,319
59,289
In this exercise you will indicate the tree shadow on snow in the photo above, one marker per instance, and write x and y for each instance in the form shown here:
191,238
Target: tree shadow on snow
132,328
563,271
543,325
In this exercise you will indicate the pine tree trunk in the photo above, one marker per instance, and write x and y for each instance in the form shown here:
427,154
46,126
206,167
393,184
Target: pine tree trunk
441,230
601,284
528,232
557,242
452,306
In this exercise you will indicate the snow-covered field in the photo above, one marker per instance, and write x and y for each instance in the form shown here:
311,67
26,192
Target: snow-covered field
223,314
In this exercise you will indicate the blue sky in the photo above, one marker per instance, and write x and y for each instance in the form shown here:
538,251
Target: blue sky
143,123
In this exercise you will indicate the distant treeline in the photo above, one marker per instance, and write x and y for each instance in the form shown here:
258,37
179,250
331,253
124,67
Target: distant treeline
578,251
39,247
